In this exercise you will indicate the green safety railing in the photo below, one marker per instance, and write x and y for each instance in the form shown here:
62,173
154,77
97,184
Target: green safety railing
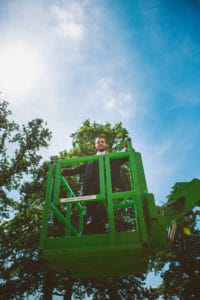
130,198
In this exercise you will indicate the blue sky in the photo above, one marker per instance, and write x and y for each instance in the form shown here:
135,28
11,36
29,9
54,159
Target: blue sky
135,62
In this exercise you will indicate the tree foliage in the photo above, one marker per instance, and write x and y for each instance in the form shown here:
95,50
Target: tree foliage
181,278
83,139
19,201
19,146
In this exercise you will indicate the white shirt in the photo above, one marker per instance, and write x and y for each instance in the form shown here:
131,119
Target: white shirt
101,153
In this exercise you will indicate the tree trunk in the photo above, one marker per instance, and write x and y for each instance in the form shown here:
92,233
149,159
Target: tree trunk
48,285
68,290
113,295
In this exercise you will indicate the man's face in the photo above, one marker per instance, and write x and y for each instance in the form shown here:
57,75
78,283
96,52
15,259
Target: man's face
100,144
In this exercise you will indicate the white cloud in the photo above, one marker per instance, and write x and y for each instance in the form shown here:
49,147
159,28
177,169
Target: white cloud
115,101
70,21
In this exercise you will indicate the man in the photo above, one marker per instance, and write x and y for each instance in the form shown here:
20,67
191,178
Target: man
96,211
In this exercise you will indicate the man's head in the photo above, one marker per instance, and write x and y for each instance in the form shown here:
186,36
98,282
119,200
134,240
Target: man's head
100,144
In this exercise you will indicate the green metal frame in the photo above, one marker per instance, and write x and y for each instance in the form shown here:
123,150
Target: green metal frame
113,252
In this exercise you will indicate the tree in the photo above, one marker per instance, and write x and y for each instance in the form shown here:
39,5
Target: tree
83,138
182,277
19,147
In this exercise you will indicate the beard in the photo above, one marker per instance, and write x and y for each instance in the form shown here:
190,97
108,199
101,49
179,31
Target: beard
101,149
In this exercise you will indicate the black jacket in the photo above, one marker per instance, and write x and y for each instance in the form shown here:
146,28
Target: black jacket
91,176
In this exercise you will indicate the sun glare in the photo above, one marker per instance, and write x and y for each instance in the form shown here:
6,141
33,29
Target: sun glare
20,69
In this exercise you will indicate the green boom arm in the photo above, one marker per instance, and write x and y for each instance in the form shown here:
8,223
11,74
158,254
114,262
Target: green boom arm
183,198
